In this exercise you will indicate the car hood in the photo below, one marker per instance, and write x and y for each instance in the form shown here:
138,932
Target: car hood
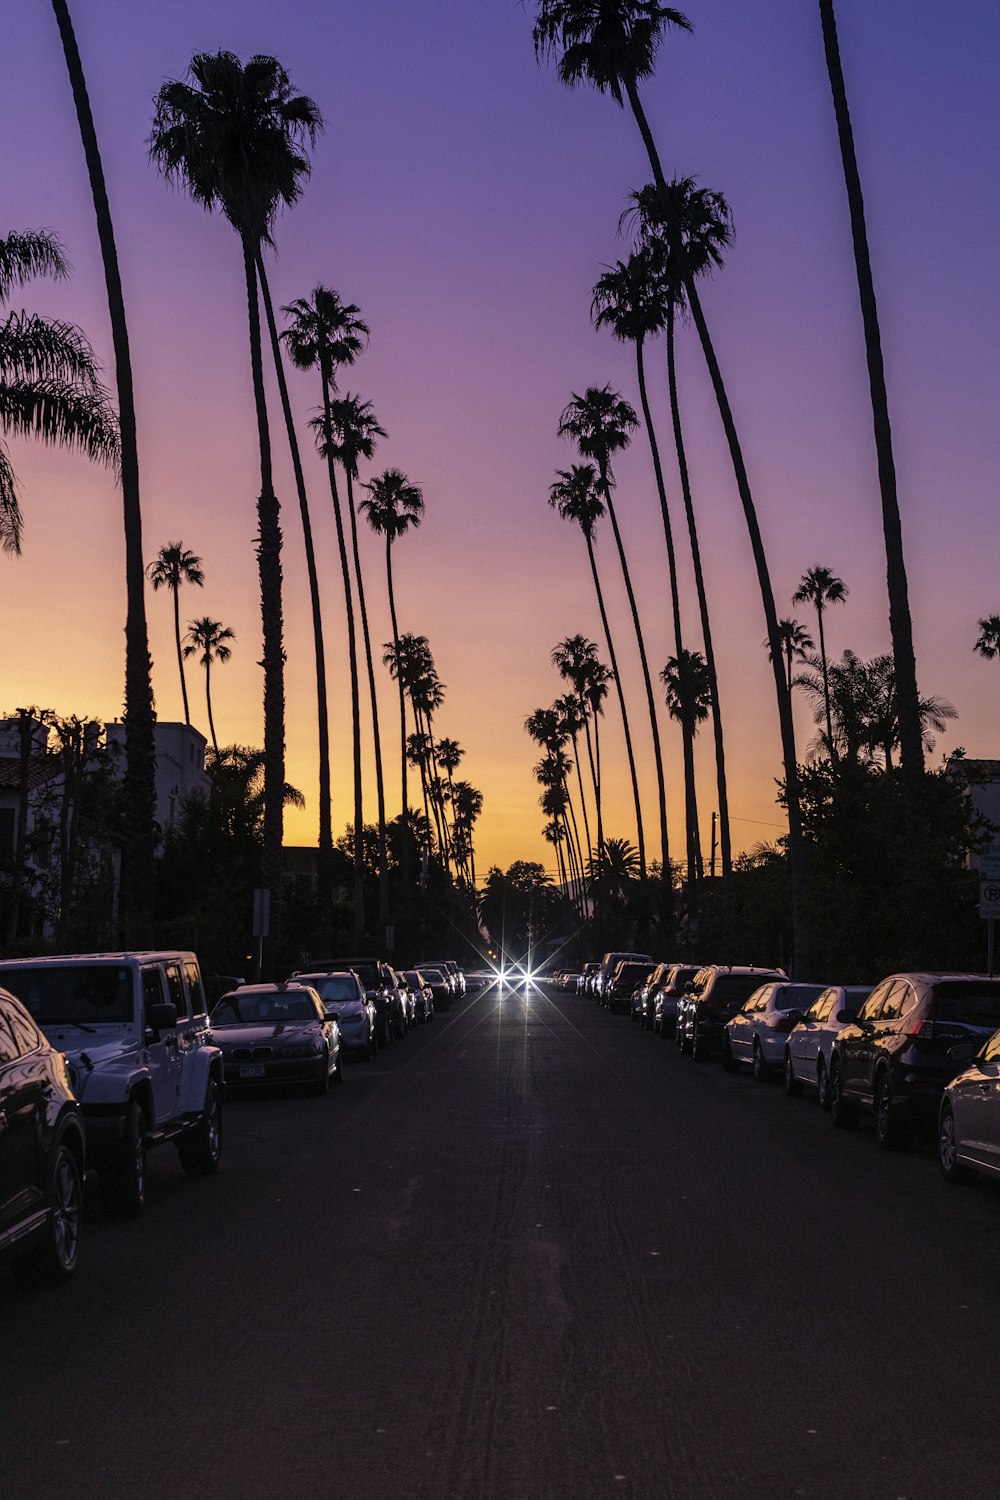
84,1051
270,1031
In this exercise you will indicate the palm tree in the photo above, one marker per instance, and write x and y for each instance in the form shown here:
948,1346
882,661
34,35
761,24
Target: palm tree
900,625
50,385
865,709
324,333
573,717
209,638
354,435
234,136
448,755
576,660
689,701
176,565
705,225
467,805
393,506
988,644
140,714
820,587
600,423
575,495
612,44
796,643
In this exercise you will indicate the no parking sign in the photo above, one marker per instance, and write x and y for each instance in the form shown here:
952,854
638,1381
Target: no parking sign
989,899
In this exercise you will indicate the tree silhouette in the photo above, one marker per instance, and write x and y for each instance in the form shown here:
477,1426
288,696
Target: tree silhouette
208,640
820,587
173,566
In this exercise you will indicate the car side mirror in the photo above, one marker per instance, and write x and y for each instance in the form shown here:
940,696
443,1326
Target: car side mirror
964,1052
332,1015
796,1017
845,1017
161,1017
864,1023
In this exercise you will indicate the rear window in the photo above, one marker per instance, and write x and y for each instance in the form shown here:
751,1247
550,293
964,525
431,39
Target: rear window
735,986
976,1003
797,997
73,994
332,987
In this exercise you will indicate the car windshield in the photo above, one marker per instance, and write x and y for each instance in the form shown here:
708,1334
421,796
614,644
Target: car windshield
334,987
960,1002
797,997
735,986
412,977
433,976
267,1009
73,994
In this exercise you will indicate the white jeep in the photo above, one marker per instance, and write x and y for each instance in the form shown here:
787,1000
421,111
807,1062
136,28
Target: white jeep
135,1033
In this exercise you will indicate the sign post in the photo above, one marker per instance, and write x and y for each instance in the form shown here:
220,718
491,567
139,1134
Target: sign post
989,910
261,924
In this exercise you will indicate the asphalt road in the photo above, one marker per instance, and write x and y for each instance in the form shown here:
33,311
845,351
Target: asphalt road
530,1253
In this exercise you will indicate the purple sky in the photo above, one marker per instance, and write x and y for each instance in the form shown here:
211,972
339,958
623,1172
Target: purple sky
467,202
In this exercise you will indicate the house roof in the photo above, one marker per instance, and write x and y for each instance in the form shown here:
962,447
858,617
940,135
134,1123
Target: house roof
41,769
975,772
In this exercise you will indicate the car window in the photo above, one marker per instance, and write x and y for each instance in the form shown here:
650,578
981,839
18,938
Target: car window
9,1050
873,1004
795,996
991,1052
895,1001
175,991
196,991
152,991
55,994
820,1009
967,1003
26,1035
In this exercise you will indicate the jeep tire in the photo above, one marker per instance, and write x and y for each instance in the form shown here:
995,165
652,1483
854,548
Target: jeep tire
201,1147
124,1174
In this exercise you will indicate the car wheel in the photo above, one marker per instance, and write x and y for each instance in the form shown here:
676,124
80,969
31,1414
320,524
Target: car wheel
792,1085
822,1085
843,1113
952,1168
372,1047
125,1173
338,1072
682,1041
322,1084
761,1070
55,1258
200,1148
728,1060
889,1130
699,1047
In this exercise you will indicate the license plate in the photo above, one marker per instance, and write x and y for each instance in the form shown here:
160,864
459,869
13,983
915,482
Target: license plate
251,1070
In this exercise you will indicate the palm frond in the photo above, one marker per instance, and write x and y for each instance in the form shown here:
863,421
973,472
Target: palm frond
57,412
10,511
30,253
32,347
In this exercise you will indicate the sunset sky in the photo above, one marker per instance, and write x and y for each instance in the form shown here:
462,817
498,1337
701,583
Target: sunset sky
467,202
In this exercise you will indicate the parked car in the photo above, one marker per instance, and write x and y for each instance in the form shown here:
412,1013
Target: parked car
345,1001
423,995
277,1033
142,1062
608,965
406,995
715,994
42,1152
809,1049
380,987
627,976
449,967
758,1032
898,1056
668,996
440,986
969,1119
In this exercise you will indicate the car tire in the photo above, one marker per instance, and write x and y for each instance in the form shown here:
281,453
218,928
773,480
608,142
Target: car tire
792,1085
729,1062
372,1047
55,1258
322,1084
822,1085
200,1148
951,1168
761,1069
889,1128
338,1071
125,1171
843,1113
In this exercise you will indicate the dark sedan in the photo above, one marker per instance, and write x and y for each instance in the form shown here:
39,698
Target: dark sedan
41,1152
439,985
277,1034
423,995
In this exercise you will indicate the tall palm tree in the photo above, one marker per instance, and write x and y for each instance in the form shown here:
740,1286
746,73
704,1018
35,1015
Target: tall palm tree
174,566
50,386
324,333
393,506
354,435
235,137
820,587
573,718
900,624
796,643
208,640
325,872
140,714
467,804
988,642
689,701
704,224
576,660
612,44
576,496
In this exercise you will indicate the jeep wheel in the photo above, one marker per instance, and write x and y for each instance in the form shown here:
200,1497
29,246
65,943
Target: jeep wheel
201,1147
125,1171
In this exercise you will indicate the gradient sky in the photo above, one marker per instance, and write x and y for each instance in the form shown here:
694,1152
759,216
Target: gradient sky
468,202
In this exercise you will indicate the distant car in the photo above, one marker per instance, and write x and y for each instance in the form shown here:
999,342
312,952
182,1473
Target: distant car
969,1119
423,995
42,1152
440,986
758,1032
608,965
898,1056
668,995
715,994
380,987
344,999
809,1048
277,1033
449,967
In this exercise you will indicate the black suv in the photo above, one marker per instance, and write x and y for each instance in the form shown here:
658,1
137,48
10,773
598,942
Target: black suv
41,1152
715,994
911,1036
627,977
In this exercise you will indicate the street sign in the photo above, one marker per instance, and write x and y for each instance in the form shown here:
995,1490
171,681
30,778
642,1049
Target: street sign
988,860
989,899
261,913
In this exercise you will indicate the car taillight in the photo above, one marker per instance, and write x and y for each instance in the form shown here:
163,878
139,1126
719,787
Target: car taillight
924,1027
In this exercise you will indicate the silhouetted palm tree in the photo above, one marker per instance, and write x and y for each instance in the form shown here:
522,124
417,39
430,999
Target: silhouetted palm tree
612,44
988,643
574,717
324,333
176,565
393,506
575,495
900,624
796,643
689,701
576,660
865,709
234,136
467,805
207,639
820,587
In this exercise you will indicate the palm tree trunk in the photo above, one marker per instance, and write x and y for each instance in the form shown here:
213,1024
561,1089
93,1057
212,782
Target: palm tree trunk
725,843
621,704
399,673
594,777
180,655
581,879
900,626
826,681
436,800
140,751
383,854
352,652
325,856
597,785
208,705
796,848
583,800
